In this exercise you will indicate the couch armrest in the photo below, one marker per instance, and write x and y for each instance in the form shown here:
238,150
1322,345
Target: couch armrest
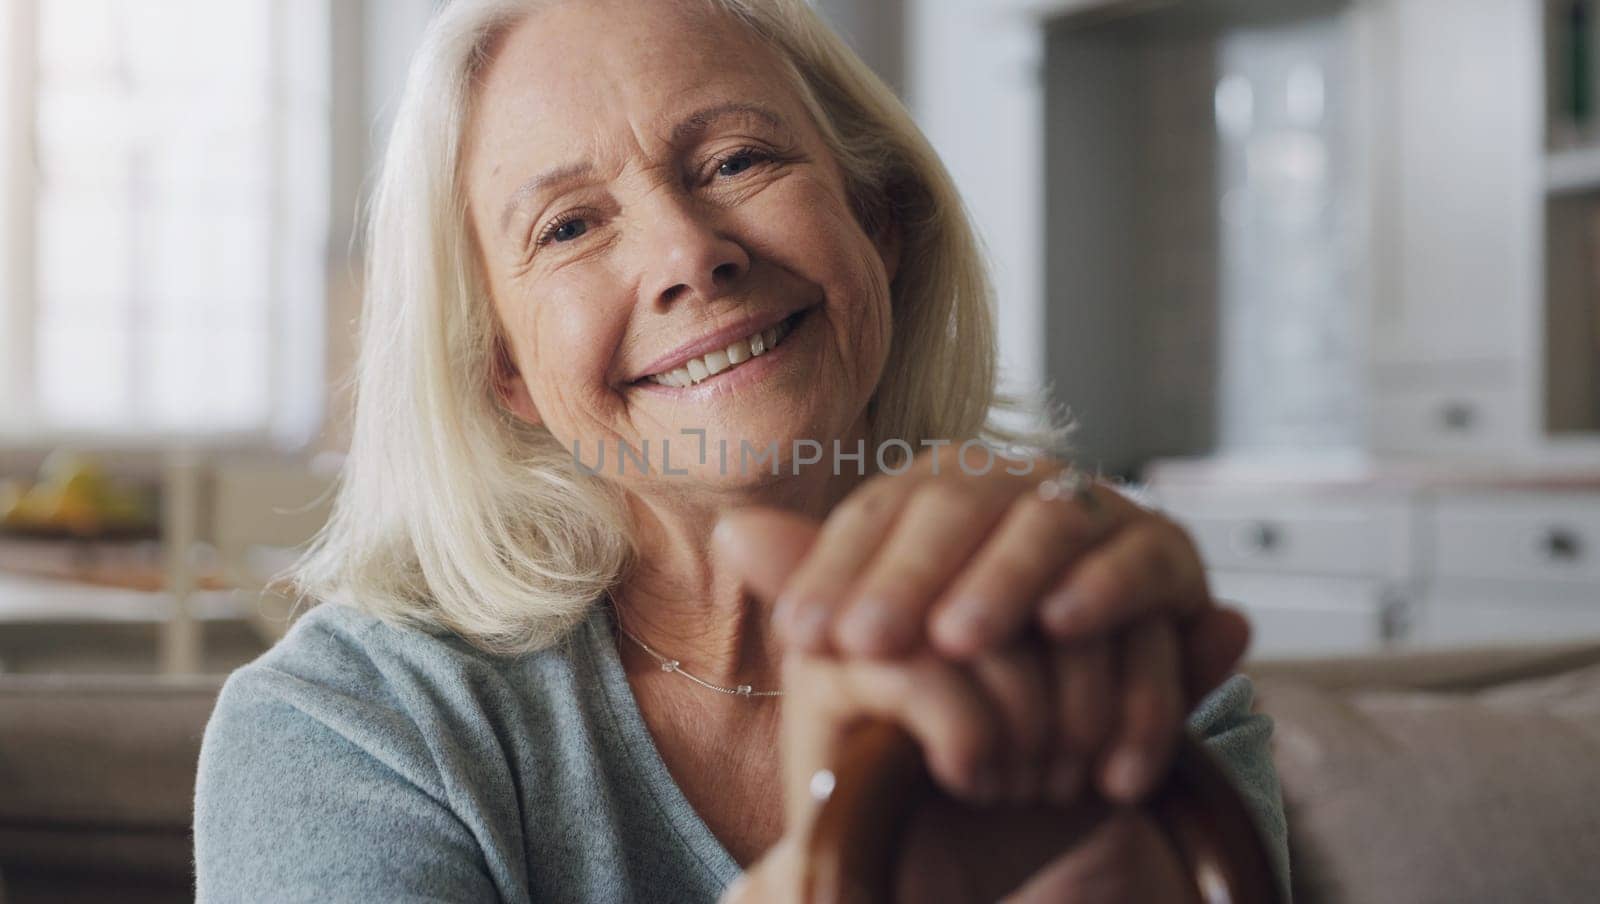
1462,669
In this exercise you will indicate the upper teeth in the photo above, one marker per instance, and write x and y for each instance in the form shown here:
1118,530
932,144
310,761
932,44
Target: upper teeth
713,363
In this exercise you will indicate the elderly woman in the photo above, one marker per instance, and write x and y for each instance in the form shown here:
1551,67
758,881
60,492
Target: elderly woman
676,370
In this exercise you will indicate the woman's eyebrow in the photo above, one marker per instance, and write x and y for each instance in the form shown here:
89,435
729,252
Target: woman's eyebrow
701,120
687,129
569,173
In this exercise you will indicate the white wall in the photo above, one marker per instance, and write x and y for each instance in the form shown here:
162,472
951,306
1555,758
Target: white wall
973,83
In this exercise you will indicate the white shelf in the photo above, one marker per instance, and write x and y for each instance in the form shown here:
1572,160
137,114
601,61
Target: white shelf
1572,172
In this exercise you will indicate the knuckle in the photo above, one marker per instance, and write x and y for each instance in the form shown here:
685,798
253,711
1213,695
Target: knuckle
870,500
902,687
1113,578
1161,566
1169,550
1180,534
1007,563
1180,541
904,575
1032,508
1067,522
1168,524
940,497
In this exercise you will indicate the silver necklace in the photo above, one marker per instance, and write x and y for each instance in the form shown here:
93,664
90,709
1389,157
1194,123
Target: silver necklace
672,665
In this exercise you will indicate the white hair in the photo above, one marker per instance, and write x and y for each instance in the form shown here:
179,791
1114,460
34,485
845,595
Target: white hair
454,515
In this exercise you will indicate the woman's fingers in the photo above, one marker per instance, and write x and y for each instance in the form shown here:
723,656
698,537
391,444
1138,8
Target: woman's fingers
1017,680
1213,644
1152,709
850,538
1084,688
764,546
997,594
941,525
1149,567
937,703
891,548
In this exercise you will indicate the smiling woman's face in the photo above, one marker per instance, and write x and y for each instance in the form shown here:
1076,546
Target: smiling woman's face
668,241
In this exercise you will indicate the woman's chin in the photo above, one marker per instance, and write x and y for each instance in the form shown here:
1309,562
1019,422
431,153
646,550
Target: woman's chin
710,456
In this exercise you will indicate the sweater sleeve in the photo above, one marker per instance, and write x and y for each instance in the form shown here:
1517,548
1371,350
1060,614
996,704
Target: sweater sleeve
1241,741
311,793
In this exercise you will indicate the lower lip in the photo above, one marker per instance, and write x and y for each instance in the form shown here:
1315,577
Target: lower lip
752,370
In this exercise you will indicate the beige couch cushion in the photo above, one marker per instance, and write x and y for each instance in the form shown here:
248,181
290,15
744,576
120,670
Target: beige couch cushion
97,774
1396,795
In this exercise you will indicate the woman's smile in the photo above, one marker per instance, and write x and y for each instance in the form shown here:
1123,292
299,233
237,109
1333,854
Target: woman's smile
749,358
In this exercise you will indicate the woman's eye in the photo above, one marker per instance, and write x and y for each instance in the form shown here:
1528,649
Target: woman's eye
735,165
564,230
738,162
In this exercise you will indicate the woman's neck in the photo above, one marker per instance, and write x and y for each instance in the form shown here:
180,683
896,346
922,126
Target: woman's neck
688,604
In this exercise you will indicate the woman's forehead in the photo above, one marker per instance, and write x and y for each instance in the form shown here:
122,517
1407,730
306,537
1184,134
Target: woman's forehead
583,72
577,92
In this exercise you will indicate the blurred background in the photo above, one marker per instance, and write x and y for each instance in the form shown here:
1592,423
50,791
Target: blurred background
1343,248
1320,274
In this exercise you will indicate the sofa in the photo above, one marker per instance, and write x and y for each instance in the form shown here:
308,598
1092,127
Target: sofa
96,786
1461,776
1451,776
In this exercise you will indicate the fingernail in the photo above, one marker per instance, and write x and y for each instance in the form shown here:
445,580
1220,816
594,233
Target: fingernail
1127,774
967,623
1061,611
1063,781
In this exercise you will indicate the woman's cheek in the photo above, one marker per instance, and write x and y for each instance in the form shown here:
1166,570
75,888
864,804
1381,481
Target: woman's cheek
871,318
573,349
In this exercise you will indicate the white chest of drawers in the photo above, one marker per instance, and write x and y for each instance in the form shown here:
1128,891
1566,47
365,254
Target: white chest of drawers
1327,567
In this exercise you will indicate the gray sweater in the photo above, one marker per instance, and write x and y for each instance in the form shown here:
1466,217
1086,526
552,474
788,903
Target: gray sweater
356,761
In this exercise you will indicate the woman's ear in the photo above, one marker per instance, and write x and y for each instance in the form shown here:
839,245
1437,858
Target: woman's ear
509,386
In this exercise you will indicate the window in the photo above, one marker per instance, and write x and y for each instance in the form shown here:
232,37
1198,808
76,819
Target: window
165,193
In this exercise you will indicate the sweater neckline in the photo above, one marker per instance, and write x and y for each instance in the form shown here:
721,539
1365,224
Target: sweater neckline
601,631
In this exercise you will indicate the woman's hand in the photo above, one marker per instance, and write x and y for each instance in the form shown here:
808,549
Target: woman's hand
966,558
981,560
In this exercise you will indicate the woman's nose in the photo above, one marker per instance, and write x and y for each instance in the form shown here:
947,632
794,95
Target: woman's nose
687,255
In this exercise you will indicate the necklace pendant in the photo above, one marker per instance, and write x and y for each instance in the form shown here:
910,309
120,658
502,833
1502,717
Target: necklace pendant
671,665
744,690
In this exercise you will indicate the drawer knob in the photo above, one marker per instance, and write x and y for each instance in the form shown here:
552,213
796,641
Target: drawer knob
1457,416
1258,538
1396,613
1561,544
